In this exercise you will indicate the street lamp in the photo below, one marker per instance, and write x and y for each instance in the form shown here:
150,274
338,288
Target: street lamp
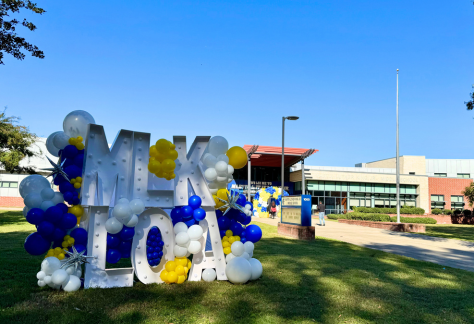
283,156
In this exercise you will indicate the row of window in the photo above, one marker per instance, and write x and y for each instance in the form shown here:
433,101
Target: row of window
460,175
437,201
9,184
360,187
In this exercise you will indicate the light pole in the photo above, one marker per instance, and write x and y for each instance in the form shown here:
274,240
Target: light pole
398,165
283,156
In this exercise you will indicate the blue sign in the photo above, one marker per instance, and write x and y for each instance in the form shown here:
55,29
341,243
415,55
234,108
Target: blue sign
296,210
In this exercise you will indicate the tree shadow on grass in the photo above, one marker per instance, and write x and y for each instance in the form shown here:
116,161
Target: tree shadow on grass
12,218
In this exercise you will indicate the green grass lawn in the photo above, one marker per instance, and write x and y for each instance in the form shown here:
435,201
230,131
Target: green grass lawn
323,281
458,232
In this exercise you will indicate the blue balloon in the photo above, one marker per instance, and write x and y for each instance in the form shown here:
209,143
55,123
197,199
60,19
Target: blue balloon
76,201
219,213
194,202
149,256
155,255
58,234
157,249
127,233
79,248
154,230
73,171
236,229
63,207
154,243
222,232
65,187
59,180
113,241
35,216
46,228
79,160
160,254
186,212
70,152
35,244
241,200
53,214
243,239
79,235
150,249
67,222
125,248
151,262
246,220
233,213
243,234
68,196
58,243
160,244
149,242
113,256
199,214
176,214
224,223
253,233
190,222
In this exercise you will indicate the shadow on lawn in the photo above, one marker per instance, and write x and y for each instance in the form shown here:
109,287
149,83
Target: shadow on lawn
12,218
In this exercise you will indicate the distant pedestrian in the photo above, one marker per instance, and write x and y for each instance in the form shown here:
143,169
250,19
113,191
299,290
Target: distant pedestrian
322,210
273,209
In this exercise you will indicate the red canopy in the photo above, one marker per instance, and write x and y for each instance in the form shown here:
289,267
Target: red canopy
270,156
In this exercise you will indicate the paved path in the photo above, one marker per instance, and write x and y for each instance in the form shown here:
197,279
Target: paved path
453,253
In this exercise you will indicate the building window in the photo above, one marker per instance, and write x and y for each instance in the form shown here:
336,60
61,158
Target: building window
441,175
457,202
437,201
412,173
464,176
9,184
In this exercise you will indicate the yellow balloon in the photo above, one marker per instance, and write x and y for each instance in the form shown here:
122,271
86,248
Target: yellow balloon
77,210
154,166
64,244
168,165
181,279
153,151
72,141
222,194
181,261
61,256
179,270
159,174
225,244
225,239
79,138
77,185
237,157
237,238
162,145
189,264
170,266
228,233
80,146
172,154
164,275
186,269
227,250
172,277
231,240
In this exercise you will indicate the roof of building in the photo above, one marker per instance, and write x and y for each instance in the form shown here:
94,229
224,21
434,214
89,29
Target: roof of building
270,156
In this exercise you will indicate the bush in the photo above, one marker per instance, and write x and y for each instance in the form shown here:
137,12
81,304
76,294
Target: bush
447,212
382,218
436,211
467,212
414,220
457,212
404,210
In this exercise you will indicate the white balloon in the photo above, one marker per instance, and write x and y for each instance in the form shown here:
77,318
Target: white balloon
229,179
247,206
218,145
237,248
137,206
59,277
70,270
50,264
221,180
53,150
209,275
229,257
224,158
213,191
249,246
257,269
33,183
180,227
133,221
245,255
113,226
40,275
182,239
58,198
179,251
33,200
25,211
230,169
47,194
46,204
251,255
47,280
122,212
123,201
73,284
209,160
195,232
194,247
41,283
76,123
210,174
222,185
61,140
248,212
221,169
238,270
78,273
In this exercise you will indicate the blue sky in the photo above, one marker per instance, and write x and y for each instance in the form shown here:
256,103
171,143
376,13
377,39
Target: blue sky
234,68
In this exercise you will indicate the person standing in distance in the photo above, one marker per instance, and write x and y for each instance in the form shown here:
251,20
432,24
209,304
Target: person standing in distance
321,209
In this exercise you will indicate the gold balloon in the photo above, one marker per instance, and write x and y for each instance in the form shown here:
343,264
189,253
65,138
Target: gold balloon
237,157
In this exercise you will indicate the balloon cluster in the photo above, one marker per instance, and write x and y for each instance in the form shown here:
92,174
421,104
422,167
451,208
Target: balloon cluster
154,247
190,214
176,271
187,239
124,214
260,202
37,193
228,240
162,157
52,275
119,245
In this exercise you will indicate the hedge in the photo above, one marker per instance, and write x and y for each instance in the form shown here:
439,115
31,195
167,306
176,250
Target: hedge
382,218
403,210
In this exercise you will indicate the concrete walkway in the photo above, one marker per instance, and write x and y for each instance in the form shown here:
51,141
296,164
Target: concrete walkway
452,253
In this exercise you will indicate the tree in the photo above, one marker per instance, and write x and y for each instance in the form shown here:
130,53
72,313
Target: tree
16,143
470,104
469,193
10,42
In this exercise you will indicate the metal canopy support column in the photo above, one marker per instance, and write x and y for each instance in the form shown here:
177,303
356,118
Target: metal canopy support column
249,177
303,182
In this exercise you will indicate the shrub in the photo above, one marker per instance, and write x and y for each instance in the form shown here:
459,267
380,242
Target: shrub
457,212
409,211
467,212
436,211
414,220
382,218
447,212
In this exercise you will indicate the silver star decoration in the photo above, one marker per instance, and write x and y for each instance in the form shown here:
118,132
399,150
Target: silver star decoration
75,258
231,202
56,170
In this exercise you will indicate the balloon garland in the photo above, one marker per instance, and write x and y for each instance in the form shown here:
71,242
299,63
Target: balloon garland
260,201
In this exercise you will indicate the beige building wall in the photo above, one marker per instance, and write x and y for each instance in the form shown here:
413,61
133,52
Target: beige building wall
387,163
408,163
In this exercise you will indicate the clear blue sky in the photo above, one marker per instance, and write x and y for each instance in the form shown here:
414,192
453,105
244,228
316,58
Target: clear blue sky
233,68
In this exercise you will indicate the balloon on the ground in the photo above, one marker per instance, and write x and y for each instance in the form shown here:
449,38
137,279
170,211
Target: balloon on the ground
238,270
257,269
73,284
209,275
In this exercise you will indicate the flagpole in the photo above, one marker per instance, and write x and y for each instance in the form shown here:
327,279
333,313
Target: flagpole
398,165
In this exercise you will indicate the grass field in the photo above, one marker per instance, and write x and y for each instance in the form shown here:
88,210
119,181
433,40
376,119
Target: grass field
323,281
458,232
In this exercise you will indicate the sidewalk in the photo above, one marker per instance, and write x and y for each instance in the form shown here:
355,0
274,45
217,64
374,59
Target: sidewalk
452,253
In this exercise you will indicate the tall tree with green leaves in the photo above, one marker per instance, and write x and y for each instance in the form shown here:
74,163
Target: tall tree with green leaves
470,104
10,42
469,193
16,143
